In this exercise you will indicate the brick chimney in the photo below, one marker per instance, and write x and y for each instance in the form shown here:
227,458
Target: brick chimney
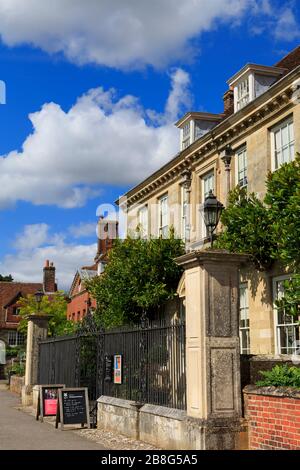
49,284
228,102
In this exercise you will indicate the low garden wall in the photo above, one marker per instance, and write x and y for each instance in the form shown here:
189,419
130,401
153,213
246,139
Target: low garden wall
165,428
273,417
16,384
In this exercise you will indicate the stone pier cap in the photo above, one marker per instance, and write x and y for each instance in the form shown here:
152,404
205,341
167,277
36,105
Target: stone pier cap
196,258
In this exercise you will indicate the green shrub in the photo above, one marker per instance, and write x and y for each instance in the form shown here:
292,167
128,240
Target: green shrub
280,376
14,351
18,369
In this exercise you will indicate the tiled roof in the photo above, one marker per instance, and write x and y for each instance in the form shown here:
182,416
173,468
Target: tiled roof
9,290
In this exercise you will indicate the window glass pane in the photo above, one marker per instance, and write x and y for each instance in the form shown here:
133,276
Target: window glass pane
244,320
163,216
208,182
143,221
287,333
242,167
283,143
285,136
277,140
291,131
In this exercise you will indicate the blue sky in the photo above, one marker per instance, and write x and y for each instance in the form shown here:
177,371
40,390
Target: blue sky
81,148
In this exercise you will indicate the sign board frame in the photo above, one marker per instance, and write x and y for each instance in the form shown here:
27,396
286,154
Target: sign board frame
60,410
40,411
118,365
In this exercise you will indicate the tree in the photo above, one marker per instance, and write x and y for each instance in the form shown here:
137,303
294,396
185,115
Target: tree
269,230
55,306
8,278
283,202
141,275
247,224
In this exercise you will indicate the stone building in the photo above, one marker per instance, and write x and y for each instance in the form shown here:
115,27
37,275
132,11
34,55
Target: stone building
10,293
257,131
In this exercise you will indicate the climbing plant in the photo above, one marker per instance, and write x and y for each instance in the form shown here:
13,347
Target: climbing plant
268,229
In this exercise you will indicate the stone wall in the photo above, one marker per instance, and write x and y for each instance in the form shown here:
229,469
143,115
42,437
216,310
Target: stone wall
16,384
273,418
115,414
165,428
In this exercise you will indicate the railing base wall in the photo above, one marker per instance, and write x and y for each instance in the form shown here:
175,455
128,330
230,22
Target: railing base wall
168,428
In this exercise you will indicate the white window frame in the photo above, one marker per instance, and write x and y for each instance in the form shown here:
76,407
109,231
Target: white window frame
204,192
184,209
291,145
242,100
144,221
244,314
278,326
18,338
186,135
163,228
242,182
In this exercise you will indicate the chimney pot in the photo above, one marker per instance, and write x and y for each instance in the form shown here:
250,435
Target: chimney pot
46,263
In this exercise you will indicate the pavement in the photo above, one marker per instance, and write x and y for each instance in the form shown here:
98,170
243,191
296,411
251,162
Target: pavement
20,431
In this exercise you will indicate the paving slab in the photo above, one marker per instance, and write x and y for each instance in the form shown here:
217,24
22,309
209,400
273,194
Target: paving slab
20,431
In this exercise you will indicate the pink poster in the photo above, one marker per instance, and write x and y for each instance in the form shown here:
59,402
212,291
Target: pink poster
50,407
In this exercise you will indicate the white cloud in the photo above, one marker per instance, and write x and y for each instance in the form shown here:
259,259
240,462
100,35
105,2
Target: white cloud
83,229
275,18
102,139
27,262
117,33
287,28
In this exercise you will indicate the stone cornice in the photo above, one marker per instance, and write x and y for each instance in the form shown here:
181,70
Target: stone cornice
194,258
276,99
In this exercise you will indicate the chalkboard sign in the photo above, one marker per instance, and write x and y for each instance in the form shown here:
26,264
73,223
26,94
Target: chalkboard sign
73,407
47,400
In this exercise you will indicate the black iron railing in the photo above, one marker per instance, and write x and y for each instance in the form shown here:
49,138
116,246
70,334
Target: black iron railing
153,363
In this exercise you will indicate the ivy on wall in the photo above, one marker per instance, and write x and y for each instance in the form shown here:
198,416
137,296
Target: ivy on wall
268,229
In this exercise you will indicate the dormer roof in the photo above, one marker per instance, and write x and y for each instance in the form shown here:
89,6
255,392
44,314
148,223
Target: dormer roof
199,116
260,69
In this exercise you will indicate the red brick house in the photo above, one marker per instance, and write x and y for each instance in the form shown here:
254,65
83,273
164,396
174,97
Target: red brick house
10,293
80,299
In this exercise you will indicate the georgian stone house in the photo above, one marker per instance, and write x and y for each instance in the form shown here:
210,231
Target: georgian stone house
258,130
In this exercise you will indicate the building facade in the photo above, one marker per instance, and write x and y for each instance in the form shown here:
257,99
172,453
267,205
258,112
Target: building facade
10,293
258,131
79,298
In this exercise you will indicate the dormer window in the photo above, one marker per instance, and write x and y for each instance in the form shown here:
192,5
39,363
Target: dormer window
186,135
193,126
251,82
243,94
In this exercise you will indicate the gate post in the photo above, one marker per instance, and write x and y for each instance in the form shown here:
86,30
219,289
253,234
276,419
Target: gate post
37,330
212,348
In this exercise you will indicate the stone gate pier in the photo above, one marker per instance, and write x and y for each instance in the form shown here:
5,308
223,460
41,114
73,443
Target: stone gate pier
214,399
37,330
